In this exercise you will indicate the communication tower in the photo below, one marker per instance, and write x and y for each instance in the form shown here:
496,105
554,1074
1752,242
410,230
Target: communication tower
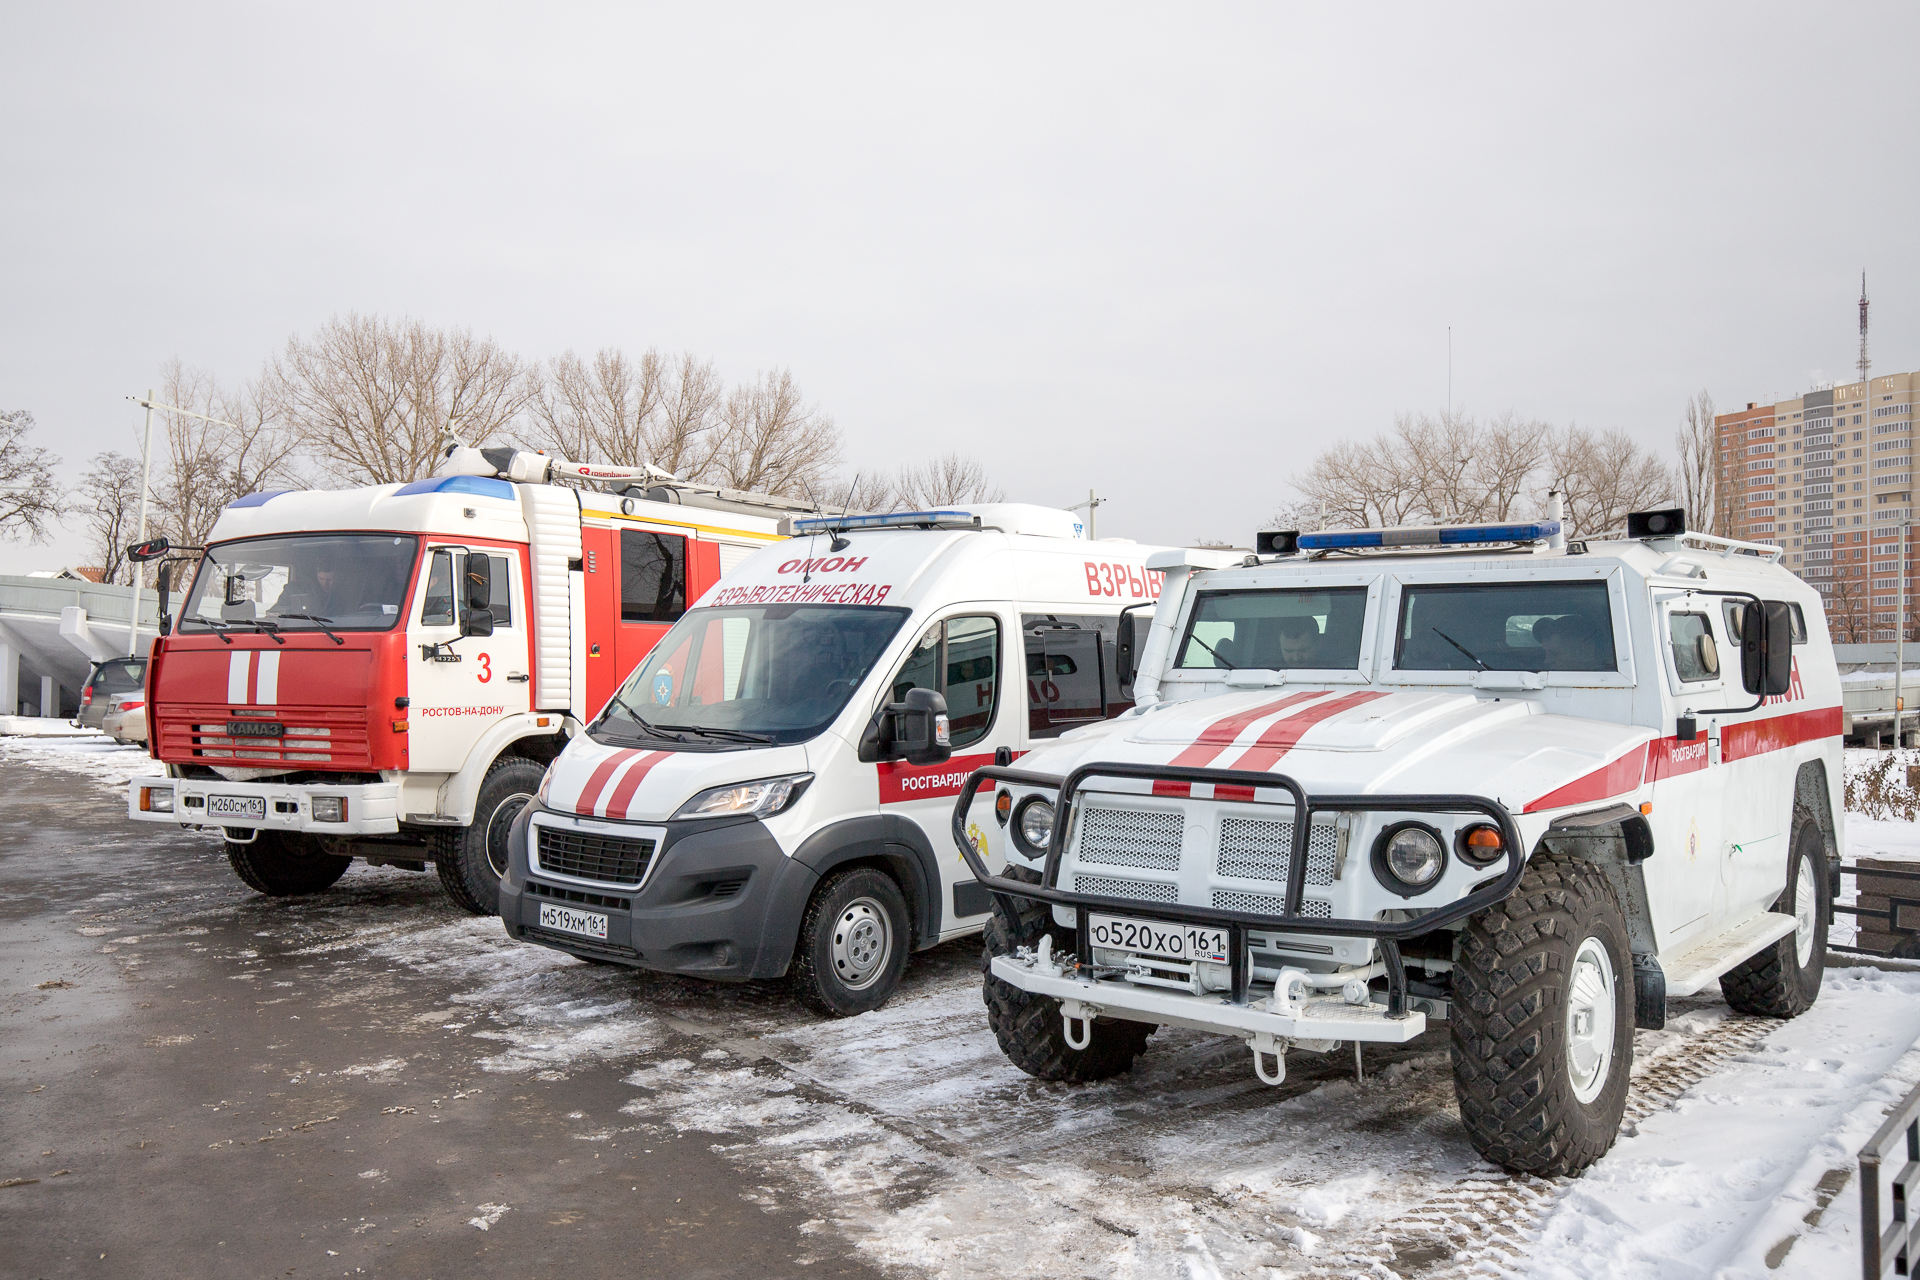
1864,363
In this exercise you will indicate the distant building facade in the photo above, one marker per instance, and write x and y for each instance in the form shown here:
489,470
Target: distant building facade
1828,478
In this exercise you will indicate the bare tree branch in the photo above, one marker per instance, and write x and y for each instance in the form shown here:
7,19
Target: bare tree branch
30,501
111,489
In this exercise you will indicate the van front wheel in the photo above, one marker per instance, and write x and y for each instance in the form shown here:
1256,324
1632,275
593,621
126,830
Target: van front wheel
1542,1021
853,943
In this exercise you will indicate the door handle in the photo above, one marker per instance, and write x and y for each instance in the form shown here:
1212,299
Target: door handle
519,679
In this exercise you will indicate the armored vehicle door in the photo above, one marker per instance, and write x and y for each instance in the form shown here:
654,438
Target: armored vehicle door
1689,874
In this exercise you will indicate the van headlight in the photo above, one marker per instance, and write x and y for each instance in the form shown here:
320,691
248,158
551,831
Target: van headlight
762,799
546,784
1033,826
1408,858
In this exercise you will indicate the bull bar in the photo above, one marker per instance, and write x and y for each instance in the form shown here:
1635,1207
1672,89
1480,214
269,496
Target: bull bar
1386,933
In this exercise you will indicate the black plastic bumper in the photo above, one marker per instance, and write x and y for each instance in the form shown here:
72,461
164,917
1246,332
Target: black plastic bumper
1238,923
721,900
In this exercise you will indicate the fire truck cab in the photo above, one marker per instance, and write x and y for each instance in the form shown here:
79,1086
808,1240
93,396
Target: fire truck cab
1478,775
385,672
769,792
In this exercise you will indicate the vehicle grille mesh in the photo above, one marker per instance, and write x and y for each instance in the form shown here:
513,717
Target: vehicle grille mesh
1130,838
1272,904
1260,848
1140,890
587,855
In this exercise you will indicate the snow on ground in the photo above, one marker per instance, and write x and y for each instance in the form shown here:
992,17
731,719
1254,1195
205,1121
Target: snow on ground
906,1131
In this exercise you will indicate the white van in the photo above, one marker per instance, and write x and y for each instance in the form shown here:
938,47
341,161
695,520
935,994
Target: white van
770,791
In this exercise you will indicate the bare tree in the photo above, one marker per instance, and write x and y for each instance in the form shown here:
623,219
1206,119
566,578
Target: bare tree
369,399
30,501
945,480
111,494
1695,478
1446,467
863,491
1849,608
1603,476
771,441
209,464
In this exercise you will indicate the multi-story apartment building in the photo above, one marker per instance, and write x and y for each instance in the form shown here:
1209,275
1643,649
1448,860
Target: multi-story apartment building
1828,477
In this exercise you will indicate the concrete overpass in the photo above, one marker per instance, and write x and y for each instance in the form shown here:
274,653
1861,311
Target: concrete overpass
51,632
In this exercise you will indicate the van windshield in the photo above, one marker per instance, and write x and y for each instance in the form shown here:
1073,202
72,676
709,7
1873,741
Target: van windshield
348,581
748,674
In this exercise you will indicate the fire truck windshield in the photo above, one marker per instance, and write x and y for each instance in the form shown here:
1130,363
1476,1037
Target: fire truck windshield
320,581
749,674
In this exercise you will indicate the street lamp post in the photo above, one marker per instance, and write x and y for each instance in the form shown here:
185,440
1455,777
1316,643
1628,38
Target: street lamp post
146,475
1900,633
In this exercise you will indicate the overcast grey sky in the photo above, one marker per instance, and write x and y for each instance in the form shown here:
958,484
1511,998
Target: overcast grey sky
1164,252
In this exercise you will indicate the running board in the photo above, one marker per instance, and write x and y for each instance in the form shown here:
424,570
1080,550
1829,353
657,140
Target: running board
1691,970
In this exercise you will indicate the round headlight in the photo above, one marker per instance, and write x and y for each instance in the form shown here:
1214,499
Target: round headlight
1480,845
1408,858
1033,826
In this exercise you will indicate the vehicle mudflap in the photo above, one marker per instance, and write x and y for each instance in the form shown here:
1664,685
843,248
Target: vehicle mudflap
1649,993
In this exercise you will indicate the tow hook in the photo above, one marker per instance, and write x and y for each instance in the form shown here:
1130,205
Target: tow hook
1263,1043
1072,1011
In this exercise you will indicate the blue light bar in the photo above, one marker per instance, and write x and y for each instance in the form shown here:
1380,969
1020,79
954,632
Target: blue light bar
886,520
1429,535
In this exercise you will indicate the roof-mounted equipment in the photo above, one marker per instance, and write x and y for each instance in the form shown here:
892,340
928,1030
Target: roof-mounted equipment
1275,542
1438,535
887,520
1656,524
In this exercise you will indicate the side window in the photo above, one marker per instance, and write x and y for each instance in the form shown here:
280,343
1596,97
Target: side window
960,659
437,609
653,576
1796,620
500,602
1695,656
1070,675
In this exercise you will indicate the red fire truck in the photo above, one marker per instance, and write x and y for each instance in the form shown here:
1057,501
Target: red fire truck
384,673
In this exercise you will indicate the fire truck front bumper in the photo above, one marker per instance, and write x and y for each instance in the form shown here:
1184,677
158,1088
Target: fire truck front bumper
316,808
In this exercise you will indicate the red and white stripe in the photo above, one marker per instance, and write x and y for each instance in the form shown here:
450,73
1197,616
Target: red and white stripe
1289,719
610,787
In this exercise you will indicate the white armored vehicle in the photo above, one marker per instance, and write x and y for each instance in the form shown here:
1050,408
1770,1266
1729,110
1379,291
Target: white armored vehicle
1479,775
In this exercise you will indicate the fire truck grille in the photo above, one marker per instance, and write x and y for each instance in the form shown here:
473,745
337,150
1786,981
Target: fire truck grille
1269,903
587,855
1130,838
1260,849
1140,890
305,737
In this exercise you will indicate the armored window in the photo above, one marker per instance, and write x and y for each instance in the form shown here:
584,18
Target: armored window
1518,626
653,576
1695,655
1275,630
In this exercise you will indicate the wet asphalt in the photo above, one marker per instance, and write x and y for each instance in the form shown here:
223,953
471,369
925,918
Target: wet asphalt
183,1093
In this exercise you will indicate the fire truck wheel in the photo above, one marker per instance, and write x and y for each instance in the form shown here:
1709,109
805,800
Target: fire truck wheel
1028,1026
1783,981
471,862
283,863
1542,1021
853,943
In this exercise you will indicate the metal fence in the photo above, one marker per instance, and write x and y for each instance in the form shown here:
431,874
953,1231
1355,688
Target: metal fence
1888,1240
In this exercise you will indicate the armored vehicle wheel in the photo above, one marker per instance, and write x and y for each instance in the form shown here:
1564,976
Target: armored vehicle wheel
1542,1021
283,863
471,862
1783,981
853,943
1028,1026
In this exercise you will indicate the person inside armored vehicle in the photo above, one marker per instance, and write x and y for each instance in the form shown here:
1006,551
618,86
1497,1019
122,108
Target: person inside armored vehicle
1507,626
1276,630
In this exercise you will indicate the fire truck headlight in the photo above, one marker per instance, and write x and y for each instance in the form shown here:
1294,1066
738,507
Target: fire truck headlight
329,808
156,799
1033,826
1408,858
762,799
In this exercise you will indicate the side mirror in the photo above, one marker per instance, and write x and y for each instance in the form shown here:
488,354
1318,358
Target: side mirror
151,549
915,730
1766,648
1124,647
479,582
163,584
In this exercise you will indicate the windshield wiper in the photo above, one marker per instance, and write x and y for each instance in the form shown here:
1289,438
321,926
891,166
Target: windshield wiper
731,735
218,628
1473,657
317,621
646,728
1215,652
259,624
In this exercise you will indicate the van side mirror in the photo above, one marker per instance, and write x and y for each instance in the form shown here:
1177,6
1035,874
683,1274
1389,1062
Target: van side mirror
477,618
915,730
1766,648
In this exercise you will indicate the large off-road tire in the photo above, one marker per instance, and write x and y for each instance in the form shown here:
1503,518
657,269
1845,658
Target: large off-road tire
471,861
1542,1021
1028,1026
1783,981
284,863
853,946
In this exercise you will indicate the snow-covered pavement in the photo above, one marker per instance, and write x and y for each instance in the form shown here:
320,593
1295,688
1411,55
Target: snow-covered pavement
906,1132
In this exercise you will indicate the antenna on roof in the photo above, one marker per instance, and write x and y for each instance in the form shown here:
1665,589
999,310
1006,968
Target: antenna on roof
1864,363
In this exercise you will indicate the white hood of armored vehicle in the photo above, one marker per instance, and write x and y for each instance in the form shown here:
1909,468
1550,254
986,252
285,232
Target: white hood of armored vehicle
1365,741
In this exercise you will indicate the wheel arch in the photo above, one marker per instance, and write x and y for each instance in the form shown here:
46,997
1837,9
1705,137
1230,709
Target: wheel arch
516,735
1618,839
889,843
